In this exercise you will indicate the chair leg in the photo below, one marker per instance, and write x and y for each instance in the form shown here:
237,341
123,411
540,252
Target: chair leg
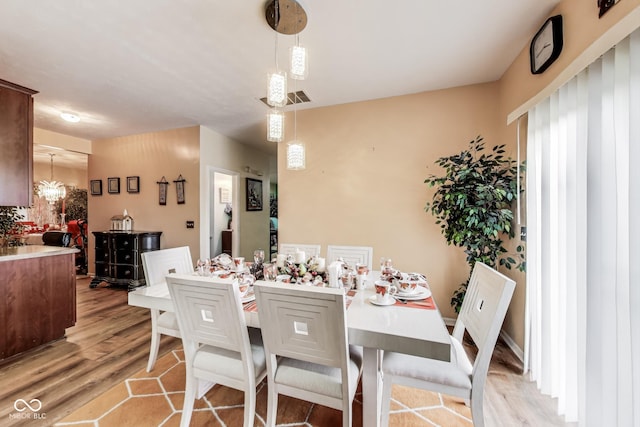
347,414
189,399
477,409
250,406
272,407
155,342
387,385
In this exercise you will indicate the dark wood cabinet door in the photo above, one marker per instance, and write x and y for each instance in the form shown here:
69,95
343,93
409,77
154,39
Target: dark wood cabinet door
16,145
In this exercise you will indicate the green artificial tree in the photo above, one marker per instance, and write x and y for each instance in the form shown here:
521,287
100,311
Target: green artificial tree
472,204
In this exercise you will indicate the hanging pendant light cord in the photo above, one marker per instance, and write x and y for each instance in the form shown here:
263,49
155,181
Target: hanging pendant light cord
277,20
295,111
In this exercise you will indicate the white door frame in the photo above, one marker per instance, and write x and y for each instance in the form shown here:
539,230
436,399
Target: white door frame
206,237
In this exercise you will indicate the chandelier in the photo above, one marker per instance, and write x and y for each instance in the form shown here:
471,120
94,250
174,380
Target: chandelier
286,17
51,190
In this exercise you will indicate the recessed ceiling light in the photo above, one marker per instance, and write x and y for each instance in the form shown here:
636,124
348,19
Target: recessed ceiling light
70,117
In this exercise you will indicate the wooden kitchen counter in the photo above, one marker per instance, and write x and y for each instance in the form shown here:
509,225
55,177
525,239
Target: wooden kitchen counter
37,296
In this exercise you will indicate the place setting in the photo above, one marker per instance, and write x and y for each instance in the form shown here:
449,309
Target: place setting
402,289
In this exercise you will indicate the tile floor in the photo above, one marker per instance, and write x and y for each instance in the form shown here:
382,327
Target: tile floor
155,399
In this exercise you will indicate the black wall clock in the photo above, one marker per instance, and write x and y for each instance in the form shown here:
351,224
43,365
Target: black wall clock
546,45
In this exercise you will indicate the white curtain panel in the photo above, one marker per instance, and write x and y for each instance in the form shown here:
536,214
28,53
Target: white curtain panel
582,342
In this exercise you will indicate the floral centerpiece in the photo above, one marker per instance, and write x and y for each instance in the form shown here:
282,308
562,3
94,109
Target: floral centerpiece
310,272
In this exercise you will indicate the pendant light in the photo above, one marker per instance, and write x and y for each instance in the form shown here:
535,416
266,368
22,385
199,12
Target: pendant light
295,155
287,18
52,190
295,148
298,61
277,81
275,125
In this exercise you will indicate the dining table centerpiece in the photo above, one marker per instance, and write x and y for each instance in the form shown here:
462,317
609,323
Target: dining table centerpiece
301,270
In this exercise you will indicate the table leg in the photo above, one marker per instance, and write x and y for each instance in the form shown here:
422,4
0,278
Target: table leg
371,387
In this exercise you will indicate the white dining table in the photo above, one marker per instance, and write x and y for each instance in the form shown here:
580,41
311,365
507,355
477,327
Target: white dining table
419,332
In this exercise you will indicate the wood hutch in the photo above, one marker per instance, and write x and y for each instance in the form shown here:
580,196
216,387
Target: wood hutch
118,260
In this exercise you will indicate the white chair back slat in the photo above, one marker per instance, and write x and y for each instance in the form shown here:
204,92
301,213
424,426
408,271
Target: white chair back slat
351,254
157,264
485,304
302,323
290,249
209,312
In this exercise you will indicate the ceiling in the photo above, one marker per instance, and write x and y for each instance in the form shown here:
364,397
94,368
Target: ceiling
146,65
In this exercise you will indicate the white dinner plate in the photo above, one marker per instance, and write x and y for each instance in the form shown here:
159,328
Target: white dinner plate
422,293
374,300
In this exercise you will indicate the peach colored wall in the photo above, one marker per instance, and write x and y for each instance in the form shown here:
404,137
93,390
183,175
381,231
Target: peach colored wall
364,181
582,29
59,140
366,162
150,156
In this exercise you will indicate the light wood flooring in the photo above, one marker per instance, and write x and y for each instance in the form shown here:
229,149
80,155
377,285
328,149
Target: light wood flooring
110,343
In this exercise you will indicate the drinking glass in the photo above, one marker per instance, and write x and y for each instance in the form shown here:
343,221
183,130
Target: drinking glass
201,267
270,271
258,256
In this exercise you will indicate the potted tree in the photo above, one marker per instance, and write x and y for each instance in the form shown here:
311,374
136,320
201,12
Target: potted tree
472,204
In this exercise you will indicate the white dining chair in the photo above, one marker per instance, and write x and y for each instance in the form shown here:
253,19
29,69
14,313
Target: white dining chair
290,249
481,315
156,265
218,346
351,254
305,341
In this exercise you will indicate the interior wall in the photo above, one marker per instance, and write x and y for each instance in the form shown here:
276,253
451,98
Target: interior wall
59,140
150,156
583,32
366,162
68,176
364,185
220,152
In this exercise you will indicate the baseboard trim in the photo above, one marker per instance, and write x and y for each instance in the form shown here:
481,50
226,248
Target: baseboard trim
511,344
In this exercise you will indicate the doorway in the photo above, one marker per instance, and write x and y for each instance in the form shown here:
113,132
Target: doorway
221,219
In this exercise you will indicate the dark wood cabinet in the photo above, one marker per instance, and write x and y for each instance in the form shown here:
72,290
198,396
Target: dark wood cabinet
227,236
118,260
16,144
37,298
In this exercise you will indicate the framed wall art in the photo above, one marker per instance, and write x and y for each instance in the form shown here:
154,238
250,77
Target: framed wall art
162,191
254,194
180,189
96,187
133,184
113,185
605,5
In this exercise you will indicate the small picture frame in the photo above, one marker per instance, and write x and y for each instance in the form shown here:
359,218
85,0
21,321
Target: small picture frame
96,187
113,185
180,189
162,191
605,5
254,194
133,184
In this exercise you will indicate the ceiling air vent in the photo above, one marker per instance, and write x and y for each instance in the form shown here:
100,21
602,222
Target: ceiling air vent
298,97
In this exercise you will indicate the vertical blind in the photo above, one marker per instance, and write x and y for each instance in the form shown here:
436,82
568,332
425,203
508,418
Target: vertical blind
582,341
